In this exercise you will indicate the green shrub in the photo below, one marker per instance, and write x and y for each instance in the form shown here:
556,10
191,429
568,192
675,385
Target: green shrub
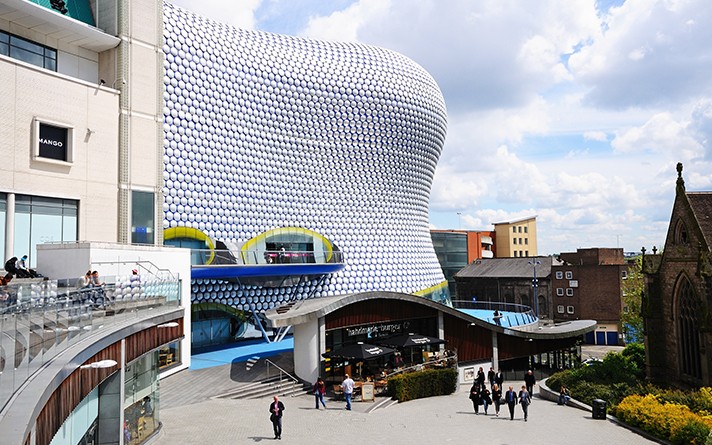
694,432
417,385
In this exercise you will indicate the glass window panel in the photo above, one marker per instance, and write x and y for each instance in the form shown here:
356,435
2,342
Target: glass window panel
4,37
142,217
26,56
50,53
44,229
50,64
44,210
69,228
23,198
4,49
22,234
19,42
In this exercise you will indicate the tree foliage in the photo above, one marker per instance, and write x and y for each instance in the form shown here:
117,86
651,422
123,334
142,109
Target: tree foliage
631,316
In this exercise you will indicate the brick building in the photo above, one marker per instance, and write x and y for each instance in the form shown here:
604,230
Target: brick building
588,285
678,292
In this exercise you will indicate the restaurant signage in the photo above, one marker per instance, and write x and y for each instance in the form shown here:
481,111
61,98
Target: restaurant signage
378,329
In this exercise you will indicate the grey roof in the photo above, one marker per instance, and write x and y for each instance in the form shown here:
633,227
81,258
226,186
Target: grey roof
303,311
508,268
701,203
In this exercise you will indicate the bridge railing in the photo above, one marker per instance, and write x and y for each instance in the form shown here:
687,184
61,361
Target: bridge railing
225,257
39,320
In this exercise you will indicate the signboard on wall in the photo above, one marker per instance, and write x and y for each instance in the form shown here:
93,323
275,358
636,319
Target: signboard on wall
53,142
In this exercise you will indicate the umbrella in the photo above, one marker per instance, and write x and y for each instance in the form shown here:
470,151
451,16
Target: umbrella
359,351
410,340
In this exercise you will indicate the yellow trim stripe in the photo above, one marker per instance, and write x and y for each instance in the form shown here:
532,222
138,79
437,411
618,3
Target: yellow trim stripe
287,230
191,233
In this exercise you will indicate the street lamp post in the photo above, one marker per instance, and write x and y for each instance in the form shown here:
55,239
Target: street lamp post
535,284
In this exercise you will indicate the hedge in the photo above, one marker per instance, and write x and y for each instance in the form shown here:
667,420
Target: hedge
417,385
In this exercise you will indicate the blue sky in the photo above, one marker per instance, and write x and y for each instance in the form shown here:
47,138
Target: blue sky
574,110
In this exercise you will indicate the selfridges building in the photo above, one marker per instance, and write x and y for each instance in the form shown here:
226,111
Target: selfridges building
275,136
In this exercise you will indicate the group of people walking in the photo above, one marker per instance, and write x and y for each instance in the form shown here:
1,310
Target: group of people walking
483,396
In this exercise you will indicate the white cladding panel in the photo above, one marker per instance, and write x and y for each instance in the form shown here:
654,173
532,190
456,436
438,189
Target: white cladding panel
265,131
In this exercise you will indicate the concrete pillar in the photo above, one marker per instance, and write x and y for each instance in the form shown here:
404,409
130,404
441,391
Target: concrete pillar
306,350
495,351
9,227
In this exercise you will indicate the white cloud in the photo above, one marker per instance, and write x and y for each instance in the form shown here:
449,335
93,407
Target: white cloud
595,136
662,134
653,53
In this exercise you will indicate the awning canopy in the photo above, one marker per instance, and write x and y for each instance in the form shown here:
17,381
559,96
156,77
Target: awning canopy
359,351
410,340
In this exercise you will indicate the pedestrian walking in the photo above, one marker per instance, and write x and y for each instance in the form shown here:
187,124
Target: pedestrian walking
525,399
490,377
486,399
475,396
319,391
530,382
481,377
499,379
496,398
348,386
511,398
276,409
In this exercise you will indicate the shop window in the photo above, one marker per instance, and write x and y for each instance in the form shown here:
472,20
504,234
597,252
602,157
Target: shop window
169,355
560,309
559,275
569,309
53,142
28,51
569,292
569,275
41,220
560,292
141,398
143,219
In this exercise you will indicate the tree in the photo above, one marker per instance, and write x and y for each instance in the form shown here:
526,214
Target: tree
631,317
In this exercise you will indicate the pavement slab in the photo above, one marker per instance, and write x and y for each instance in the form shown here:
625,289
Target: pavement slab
449,419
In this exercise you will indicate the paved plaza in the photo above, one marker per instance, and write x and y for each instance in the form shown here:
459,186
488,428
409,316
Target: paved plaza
433,420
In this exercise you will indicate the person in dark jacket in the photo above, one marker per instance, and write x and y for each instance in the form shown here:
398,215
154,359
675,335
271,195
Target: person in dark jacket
490,377
481,377
496,397
525,399
475,396
276,409
510,397
529,382
499,378
485,396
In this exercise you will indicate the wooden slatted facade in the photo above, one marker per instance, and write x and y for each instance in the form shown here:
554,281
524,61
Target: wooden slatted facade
375,311
470,342
82,381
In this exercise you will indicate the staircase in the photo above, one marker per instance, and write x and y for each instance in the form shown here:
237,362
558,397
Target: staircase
268,388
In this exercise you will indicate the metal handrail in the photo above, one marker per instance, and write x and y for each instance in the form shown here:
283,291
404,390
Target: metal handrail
420,365
214,257
281,372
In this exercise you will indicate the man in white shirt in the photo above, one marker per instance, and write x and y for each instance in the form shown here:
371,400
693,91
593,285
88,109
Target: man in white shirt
348,386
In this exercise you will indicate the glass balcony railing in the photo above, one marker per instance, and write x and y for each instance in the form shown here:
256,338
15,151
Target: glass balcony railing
209,257
510,314
40,320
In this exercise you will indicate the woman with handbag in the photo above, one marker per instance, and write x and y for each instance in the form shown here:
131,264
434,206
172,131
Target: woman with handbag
475,396
496,397
319,391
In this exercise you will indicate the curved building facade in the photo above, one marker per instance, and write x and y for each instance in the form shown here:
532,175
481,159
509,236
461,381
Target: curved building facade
265,131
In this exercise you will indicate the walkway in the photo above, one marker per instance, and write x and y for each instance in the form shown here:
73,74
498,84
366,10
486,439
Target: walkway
432,420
